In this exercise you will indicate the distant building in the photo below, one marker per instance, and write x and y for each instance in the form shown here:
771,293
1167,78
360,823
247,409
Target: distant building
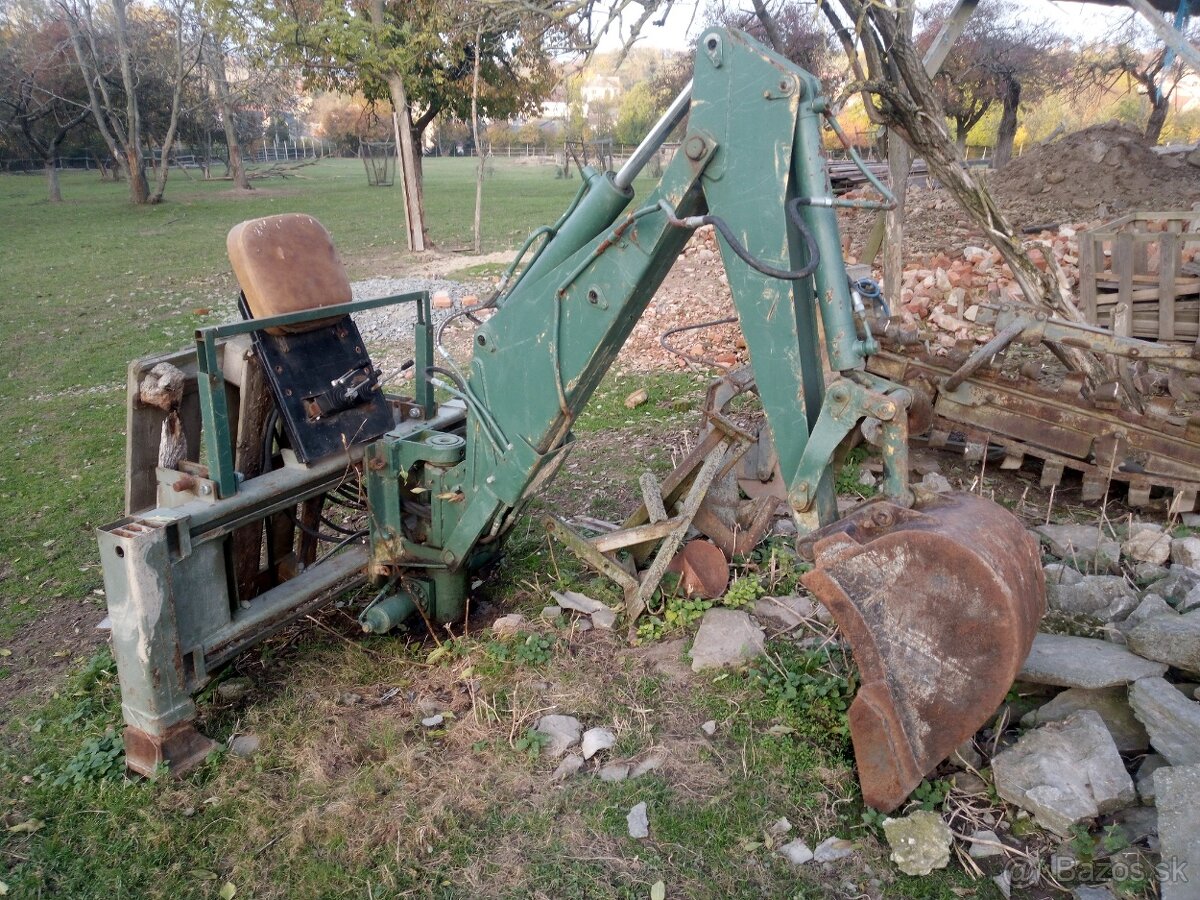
605,88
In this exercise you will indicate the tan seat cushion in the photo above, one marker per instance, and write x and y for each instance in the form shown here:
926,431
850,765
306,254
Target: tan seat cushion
285,264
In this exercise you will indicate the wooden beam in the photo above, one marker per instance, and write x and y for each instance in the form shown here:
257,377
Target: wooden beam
935,56
1174,39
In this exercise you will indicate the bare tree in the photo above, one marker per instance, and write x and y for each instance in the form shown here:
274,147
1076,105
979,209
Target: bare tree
1125,61
120,128
41,97
898,93
187,43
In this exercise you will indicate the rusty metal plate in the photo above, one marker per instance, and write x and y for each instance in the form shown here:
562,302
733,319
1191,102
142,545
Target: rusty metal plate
940,605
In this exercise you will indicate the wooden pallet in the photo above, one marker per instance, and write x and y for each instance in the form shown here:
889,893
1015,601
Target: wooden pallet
1133,277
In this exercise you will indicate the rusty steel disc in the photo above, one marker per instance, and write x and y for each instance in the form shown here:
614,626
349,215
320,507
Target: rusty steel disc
703,569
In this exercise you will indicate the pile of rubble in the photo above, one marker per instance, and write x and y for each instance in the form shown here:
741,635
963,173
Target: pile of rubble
1099,172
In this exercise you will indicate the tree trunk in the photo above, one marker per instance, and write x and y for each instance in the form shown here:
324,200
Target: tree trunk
907,102
478,230
1160,104
1007,131
235,166
899,162
406,153
139,190
52,180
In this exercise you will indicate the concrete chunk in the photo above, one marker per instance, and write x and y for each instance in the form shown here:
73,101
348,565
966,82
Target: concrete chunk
726,638
1172,639
1069,661
1172,720
1112,705
1065,773
1178,791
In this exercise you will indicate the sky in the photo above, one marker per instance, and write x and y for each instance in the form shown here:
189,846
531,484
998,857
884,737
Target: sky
1085,21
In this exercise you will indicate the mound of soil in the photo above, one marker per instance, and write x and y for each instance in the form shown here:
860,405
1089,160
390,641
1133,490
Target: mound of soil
1099,172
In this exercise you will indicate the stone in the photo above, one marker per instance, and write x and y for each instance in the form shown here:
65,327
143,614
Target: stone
637,398
638,822
582,625
983,850
245,745
1143,779
969,783
570,764
1086,547
709,727
1186,552
832,849
1093,892
1105,598
1139,823
1191,602
508,626
1179,831
604,618
1177,584
1112,705
433,721
234,689
550,613
779,827
1060,573
1146,574
647,763
1147,544
1172,720
1069,661
614,772
920,842
936,482
578,602
563,731
796,852
1151,607
1170,639
783,612
965,756
1003,883
726,638
441,300
470,300
595,740
1065,773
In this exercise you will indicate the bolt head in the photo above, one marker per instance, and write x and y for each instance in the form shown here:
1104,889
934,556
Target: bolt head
694,148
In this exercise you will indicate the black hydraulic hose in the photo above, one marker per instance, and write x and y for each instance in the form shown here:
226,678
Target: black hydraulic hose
794,216
679,329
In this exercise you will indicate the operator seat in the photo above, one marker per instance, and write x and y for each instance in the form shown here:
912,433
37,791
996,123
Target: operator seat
325,386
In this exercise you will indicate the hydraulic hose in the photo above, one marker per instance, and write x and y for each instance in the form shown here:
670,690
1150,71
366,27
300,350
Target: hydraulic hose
793,213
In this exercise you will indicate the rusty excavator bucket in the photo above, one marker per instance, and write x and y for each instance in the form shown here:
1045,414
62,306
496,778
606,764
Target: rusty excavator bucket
940,604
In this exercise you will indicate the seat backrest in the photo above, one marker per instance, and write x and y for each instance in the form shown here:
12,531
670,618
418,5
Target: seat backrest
287,263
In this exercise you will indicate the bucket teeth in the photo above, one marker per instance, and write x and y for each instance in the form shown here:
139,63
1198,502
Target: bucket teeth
940,605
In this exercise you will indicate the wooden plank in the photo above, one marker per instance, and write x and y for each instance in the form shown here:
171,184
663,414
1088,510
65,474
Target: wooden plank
1168,260
625,537
1109,280
1087,276
253,408
1123,268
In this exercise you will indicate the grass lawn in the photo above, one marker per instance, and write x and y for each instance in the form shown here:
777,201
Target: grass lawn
349,795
